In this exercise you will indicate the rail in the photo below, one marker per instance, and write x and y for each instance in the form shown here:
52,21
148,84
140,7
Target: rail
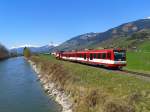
136,73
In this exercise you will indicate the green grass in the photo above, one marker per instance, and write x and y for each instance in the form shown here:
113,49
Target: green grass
116,85
136,61
145,47
96,76
140,60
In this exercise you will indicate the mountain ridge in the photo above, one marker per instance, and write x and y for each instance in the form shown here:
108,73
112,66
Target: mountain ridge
123,30
41,49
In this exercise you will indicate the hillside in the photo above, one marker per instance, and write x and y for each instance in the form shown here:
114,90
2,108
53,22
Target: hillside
119,33
3,52
137,41
78,42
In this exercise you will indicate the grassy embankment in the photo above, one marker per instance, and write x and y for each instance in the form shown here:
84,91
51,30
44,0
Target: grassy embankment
140,60
95,90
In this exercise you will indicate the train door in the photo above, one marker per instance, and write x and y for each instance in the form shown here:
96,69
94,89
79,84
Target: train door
109,55
91,56
85,56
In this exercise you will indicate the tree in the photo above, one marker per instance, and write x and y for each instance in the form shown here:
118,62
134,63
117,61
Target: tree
26,52
4,53
13,53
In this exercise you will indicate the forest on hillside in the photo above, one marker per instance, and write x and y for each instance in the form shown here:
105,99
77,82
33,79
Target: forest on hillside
3,52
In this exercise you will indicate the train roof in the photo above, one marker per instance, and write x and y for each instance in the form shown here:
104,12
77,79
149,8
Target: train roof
92,51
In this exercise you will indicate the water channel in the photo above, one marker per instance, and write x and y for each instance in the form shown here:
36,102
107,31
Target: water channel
19,89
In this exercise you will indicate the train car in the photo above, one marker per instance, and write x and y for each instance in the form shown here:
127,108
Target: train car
111,58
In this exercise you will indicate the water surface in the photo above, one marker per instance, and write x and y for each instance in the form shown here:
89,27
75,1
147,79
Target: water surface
19,89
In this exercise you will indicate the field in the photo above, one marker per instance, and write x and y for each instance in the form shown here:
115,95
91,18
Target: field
96,90
145,47
139,60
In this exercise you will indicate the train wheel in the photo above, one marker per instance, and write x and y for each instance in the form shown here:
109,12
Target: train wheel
120,67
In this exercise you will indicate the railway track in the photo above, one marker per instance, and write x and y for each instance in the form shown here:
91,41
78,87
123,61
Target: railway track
144,76
128,72
136,73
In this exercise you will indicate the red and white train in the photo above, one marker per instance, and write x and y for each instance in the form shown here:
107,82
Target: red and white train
111,58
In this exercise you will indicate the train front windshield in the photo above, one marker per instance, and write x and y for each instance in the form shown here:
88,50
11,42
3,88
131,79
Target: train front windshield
120,55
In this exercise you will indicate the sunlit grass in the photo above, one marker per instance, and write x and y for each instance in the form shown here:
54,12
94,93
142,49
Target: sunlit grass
115,85
138,61
95,76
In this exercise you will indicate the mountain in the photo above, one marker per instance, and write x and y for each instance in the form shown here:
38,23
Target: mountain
94,39
3,52
78,42
42,49
134,41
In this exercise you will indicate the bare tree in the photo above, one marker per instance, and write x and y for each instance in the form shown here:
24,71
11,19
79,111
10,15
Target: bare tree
4,53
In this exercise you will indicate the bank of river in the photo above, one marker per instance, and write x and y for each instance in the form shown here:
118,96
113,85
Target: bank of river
19,89
52,90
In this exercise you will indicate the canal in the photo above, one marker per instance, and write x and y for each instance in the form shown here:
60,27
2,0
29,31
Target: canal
19,89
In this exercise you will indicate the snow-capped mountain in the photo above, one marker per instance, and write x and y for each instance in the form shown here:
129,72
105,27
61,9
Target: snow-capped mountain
147,17
34,49
26,45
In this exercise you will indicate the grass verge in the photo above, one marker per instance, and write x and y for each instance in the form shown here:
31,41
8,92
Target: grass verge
94,90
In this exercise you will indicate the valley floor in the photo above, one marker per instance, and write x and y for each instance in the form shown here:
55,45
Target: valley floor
138,61
92,89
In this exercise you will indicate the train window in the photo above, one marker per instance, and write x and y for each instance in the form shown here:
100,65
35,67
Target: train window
94,56
84,56
80,55
91,56
120,55
109,55
99,56
103,55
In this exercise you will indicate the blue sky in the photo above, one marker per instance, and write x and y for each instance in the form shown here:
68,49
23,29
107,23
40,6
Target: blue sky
40,22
